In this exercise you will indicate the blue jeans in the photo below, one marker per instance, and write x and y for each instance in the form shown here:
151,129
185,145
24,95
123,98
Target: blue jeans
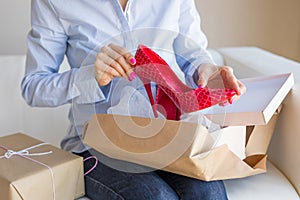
107,183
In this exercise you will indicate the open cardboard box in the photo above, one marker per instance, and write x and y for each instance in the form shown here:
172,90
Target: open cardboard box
256,107
189,149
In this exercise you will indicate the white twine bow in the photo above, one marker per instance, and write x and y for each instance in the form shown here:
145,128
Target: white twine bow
25,154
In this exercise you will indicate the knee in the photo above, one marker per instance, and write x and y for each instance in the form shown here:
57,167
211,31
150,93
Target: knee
157,193
213,190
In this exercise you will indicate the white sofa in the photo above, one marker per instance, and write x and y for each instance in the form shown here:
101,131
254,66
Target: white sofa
282,181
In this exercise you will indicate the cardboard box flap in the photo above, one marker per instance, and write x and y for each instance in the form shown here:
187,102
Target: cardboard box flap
259,136
217,164
256,161
144,139
256,107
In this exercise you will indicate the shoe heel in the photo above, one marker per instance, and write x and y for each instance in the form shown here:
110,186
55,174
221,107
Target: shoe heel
150,96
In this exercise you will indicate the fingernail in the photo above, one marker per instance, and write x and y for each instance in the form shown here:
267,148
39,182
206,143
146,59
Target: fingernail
132,61
225,103
231,100
200,86
131,76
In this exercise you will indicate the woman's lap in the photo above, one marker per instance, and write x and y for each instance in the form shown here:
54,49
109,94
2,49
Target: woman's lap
190,188
108,183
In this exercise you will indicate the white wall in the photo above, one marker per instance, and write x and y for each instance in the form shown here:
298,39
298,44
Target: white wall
47,124
15,23
273,25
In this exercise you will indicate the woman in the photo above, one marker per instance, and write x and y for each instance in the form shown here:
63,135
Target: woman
99,37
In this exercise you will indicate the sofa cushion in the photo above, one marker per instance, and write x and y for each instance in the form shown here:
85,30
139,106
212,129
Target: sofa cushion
271,185
253,61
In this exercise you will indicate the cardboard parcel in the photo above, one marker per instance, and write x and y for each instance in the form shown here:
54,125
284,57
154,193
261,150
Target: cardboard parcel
188,148
31,169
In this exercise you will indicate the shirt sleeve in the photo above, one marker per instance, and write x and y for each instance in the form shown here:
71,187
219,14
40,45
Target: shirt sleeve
191,43
42,84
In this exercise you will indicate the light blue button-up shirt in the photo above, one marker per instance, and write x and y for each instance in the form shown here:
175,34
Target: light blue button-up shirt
78,29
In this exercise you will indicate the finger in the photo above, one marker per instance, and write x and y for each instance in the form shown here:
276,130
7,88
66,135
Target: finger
125,53
104,76
223,104
229,79
102,67
205,71
233,99
202,81
230,101
100,75
104,80
240,91
112,63
232,82
109,52
126,59
115,55
242,87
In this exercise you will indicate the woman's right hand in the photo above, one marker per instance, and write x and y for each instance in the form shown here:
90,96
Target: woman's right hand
113,61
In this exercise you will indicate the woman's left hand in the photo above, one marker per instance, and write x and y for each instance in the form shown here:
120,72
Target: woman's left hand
214,76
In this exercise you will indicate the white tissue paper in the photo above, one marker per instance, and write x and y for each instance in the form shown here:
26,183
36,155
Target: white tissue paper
199,118
133,103
234,141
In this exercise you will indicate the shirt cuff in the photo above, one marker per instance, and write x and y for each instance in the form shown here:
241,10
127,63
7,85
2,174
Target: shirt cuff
85,87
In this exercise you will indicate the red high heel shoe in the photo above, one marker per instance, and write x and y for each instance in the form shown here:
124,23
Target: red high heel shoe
151,67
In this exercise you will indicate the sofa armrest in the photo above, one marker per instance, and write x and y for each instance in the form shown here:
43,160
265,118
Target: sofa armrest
284,148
